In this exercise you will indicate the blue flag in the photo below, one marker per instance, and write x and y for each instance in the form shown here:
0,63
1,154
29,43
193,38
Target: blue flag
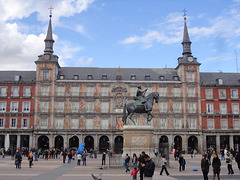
80,148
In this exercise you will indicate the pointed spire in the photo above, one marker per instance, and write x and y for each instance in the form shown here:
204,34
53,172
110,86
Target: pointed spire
49,39
186,41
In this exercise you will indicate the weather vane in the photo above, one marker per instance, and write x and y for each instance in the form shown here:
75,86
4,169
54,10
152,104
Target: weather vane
184,13
51,8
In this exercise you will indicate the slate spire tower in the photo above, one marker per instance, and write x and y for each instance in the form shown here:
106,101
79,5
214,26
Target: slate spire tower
49,39
186,43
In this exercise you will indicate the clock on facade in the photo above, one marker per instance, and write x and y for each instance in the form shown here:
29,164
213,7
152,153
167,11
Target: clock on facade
46,57
190,59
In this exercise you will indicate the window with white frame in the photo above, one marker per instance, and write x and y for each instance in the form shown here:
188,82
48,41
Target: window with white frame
45,90
25,122
162,91
13,122
176,92
222,93
163,123
59,122
45,75
190,76
149,90
223,108
89,91
132,91
44,106
235,108
220,81
224,124
191,91
104,123
27,91
60,107
89,107
192,123
210,124
2,107
192,107
26,107
104,107
104,91
60,91
74,123
43,122
177,123
236,123
2,122
234,93
210,108
74,107
14,106
3,91
75,90
209,93
163,106
89,124
177,107
15,91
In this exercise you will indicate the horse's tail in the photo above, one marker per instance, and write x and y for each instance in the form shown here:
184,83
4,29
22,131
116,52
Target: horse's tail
124,118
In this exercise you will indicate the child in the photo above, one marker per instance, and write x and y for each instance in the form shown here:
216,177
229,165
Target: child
79,157
134,173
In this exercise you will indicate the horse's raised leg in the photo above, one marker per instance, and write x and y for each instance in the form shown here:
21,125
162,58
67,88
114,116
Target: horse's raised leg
149,117
130,117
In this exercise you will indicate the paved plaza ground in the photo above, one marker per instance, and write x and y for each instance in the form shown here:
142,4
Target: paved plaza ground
54,169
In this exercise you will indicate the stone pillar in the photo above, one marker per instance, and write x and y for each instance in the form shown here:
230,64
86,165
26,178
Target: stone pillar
65,141
170,140
185,143
202,144
7,142
218,143
96,142
18,141
34,144
51,141
30,141
231,142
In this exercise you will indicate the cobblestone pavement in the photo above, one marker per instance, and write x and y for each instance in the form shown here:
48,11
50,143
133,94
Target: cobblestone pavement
54,169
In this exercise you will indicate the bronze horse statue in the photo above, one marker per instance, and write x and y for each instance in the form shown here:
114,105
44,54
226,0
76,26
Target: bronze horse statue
136,106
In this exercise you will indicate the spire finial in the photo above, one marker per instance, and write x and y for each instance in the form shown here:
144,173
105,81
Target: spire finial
184,13
50,9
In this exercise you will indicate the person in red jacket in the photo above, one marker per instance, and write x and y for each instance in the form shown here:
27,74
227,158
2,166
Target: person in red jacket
134,173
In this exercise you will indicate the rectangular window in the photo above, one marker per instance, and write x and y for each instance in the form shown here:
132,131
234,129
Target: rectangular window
162,91
2,122
60,107
235,108
2,107
45,90
104,91
177,107
3,91
44,106
191,92
26,91
59,123
74,107
89,107
132,91
104,107
104,123
75,90
74,123
190,76
163,107
13,123
163,123
210,124
192,123
234,93
222,93
209,93
89,124
14,107
192,107
26,107
45,75
60,91
210,109
224,124
44,122
25,122
176,92
90,91
223,108
236,123
177,123
15,91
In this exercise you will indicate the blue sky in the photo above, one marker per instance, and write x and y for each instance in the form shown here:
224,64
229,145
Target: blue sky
125,33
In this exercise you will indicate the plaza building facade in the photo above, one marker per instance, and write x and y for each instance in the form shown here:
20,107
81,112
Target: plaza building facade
79,104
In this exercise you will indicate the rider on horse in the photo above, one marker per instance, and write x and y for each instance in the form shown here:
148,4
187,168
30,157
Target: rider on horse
140,96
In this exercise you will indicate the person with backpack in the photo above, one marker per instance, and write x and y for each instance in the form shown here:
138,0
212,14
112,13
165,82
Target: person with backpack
229,159
205,167
216,164
127,160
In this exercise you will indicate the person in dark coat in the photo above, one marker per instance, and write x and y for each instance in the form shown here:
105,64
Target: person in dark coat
216,164
69,157
205,167
237,159
180,160
64,154
103,158
149,168
141,164
127,159
18,159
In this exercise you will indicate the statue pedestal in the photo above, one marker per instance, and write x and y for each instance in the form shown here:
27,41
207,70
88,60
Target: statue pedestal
138,139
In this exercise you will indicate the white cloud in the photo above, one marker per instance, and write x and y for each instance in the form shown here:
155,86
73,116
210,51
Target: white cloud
222,57
83,61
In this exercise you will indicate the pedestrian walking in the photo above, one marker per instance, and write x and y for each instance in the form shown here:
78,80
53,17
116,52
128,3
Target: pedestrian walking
180,160
216,164
79,157
164,165
103,158
237,159
64,154
134,160
149,168
229,160
127,160
69,157
183,163
84,157
134,173
30,159
141,164
156,151
205,167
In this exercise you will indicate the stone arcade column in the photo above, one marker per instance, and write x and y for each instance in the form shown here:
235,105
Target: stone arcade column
218,143
231,144
18,141
138,139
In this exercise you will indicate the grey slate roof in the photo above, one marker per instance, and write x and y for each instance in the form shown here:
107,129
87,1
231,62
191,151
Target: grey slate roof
229,79
9,76
111,73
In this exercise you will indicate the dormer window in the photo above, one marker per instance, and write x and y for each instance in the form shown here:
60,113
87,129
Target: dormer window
75,77
133,77
220,81
119,77
104,77
161,78
17,78
147,77
175,78
61,76
90,77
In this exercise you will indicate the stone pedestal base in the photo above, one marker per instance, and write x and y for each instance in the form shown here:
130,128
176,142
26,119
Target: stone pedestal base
138,139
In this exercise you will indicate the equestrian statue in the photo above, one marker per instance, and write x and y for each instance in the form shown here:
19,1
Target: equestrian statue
140,104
